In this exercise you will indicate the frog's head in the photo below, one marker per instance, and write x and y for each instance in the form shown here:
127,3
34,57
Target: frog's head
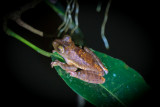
63,45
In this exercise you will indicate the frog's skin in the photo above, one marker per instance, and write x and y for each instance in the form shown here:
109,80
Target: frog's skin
92,69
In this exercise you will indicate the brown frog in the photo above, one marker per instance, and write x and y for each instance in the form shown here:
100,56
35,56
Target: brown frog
91,68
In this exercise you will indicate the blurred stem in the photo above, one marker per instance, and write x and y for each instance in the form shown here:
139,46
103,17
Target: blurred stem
81,101
16,16
61,13
98,9
37,49
18,37
57,10
104,24
28,27
77,36
34,47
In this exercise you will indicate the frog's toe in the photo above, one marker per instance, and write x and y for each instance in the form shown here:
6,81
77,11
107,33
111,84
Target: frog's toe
53,51
55,63
52,64
106,72
72,73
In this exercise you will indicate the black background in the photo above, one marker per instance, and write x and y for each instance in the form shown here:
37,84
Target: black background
27,78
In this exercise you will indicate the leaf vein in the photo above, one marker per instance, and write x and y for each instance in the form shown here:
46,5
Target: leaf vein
113,95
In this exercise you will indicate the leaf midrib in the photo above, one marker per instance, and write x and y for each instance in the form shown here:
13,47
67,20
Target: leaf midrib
112,95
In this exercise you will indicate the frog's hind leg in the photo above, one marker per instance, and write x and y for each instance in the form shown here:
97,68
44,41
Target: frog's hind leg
87,77
64,66
97,59
84,75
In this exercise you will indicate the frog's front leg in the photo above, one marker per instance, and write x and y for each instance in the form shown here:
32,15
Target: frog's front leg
88,76
64,66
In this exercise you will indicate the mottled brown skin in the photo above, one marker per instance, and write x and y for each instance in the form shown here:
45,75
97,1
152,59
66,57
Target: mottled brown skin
92,69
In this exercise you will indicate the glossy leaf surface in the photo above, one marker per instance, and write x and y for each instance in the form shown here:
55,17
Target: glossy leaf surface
122,86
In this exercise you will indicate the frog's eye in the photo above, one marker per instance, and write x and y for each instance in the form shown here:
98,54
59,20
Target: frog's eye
60,49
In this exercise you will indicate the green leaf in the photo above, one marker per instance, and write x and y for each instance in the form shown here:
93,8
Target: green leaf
122,86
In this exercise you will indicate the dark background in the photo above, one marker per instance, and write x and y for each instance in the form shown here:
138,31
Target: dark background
27,77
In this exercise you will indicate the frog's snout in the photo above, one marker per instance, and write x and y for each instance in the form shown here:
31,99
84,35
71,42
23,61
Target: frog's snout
55,43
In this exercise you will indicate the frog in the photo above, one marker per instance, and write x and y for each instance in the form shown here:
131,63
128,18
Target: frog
80,63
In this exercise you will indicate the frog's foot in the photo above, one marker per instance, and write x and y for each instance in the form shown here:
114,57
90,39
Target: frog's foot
63,65
72,73
53,51
55,63
87,77
106,71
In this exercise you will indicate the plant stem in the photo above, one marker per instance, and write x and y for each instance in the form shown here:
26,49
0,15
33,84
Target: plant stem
18,37
103,25
28,27
57,10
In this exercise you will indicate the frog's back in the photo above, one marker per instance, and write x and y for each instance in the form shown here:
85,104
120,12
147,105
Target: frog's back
83,60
